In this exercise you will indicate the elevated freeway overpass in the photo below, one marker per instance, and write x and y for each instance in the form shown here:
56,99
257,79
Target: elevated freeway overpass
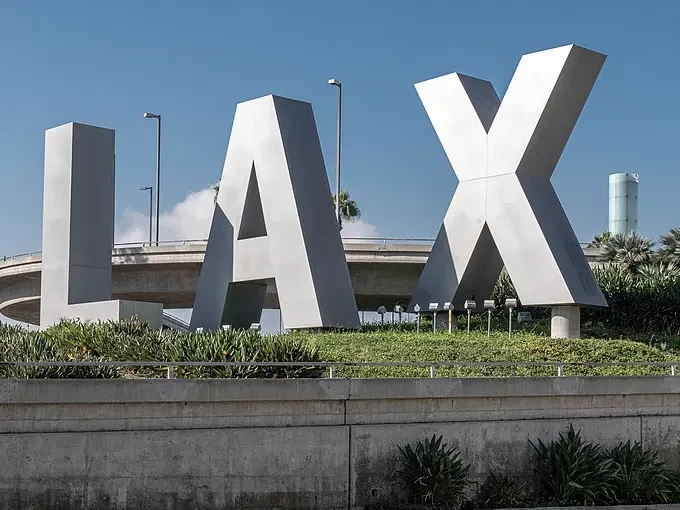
383,271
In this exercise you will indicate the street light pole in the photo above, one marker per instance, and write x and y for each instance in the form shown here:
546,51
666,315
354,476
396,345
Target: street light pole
337,84
148,115
150,190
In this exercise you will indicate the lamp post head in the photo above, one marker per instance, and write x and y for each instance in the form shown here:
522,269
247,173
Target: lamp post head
148,115
145,188
335,82
511,303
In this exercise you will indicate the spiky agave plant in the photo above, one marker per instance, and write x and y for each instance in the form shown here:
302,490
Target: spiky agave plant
641,477
432,472
573,471
501,491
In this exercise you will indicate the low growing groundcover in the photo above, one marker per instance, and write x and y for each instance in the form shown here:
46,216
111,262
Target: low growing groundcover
72,341
393,346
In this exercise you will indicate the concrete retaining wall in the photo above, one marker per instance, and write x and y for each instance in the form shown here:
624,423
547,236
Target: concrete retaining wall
326,444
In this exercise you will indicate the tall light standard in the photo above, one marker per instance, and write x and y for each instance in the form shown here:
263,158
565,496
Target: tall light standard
336,83
148,115
150,190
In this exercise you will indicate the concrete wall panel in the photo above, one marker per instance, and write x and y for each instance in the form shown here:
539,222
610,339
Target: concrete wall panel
273,468
326,443
502,446
662,433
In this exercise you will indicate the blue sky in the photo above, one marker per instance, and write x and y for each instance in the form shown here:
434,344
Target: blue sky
105,63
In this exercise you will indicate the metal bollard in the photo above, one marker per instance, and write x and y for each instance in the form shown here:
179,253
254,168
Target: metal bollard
433,371
560,370
672,369
331,373
171,373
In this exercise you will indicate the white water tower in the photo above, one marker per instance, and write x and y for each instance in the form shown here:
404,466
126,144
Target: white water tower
623,203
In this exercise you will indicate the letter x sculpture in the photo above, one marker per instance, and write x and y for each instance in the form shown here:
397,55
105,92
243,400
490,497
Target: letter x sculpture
505,211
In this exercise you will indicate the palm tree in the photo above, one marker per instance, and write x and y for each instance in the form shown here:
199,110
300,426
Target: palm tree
216,189
659,270
670,245
349,209
630,250
600,240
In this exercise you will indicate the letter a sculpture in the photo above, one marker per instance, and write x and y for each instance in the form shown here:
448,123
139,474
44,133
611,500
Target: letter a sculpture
505,209
274,224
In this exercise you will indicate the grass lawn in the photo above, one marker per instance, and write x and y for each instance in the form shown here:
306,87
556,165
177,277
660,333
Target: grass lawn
393,345
374,343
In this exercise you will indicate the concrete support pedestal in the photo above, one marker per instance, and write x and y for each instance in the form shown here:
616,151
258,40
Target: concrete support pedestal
117,310
565,321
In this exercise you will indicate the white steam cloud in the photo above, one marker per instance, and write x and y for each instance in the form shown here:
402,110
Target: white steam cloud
190,220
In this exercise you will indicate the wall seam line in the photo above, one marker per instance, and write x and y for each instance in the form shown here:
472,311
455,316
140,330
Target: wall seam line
349,457
641,431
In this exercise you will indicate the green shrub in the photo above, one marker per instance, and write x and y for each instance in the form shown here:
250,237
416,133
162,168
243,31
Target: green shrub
402,506
645,301
132,341
504,288
673,486
636,302
432,473
19,345
640,476
391,346
284,348
114,341
572,471
500,491
243,346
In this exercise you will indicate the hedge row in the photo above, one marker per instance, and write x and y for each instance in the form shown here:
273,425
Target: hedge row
645,303
131,341
569,471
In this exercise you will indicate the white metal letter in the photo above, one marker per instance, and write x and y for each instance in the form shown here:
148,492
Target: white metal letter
505,210
274,225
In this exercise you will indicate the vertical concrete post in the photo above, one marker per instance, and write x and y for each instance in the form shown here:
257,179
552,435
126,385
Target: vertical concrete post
78,218
565,321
